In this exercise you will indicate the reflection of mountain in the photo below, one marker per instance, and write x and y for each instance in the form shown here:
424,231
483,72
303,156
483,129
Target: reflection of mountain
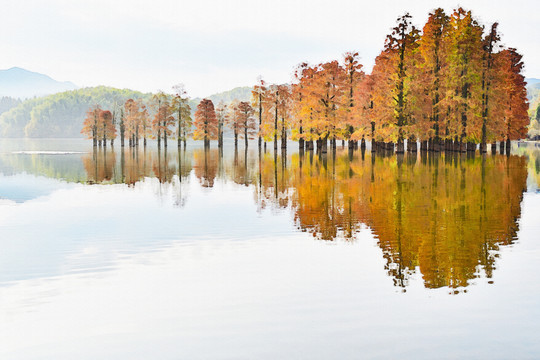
65,167
444,216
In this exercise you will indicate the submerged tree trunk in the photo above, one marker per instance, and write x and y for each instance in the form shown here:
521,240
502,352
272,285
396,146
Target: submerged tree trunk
324,145
400,145
283,134
220,139
275,128
301,141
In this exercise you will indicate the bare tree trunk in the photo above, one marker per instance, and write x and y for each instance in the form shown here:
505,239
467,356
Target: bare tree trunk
275,128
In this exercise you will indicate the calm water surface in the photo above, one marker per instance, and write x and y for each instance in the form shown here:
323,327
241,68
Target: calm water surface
198,254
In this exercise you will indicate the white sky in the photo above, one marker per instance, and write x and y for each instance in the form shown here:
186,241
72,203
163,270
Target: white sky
212,45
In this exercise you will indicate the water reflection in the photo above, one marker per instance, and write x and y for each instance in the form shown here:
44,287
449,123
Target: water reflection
445,216
442,216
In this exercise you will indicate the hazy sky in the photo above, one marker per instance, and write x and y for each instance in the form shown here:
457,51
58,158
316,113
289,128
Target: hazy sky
212,45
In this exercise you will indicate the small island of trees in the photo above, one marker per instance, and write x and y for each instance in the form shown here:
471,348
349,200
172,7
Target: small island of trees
450,87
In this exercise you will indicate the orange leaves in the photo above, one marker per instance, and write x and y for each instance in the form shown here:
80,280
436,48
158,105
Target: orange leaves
321,98
206,123
182,111
516,118
98,125
135,119
163,118
91,123
276,111
245,120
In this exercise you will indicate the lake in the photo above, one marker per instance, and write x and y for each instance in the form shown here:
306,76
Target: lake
209,254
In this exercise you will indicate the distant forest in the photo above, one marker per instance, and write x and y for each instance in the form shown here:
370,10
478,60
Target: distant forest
62,114
8,103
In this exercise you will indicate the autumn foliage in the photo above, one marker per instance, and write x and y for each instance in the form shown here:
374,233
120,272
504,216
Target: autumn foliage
98,126
206,122
449,85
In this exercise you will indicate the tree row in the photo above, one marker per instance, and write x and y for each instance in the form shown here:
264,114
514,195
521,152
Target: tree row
451,86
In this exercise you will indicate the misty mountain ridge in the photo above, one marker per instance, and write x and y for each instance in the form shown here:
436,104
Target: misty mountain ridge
21,83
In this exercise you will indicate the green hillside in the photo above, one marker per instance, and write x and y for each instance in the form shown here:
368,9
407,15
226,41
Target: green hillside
7,103
61,114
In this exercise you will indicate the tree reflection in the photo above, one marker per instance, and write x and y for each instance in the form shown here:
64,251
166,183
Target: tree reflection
171,169
446,216
99,165
443,215
206,163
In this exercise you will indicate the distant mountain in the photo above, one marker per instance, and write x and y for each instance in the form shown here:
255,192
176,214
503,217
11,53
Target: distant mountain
24,84
532,81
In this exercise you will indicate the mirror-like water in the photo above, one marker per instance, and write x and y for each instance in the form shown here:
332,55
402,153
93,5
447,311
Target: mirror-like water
239,254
